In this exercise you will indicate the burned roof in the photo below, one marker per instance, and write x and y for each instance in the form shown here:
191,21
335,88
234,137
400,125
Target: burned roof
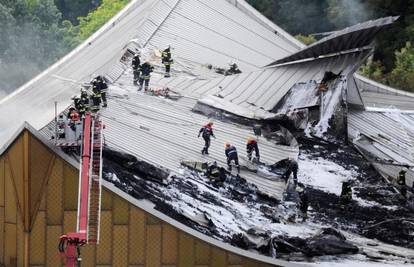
354,37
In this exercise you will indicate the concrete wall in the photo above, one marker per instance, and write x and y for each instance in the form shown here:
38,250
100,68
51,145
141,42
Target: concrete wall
38,202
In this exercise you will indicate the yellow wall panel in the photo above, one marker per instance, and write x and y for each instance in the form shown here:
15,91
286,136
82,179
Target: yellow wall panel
20,241
153,255
218,257
202,252
38,240
52,240
186,253
120,211
40,159
2,239
233,259
10,197
104,249
169,244
106,200
15,155
88,256
10,248
2,177
137,233
120,246
55,195
71,182
69,221
43,201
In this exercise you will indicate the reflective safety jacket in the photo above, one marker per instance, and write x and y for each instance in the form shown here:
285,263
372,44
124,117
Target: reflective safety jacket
206,131
231,152
166,57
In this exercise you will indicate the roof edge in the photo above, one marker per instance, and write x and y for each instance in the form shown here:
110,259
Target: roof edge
26,126
383,86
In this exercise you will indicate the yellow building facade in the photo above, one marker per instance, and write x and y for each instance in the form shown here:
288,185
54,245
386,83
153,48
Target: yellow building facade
38,203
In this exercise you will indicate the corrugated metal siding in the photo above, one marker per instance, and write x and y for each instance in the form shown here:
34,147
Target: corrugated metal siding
164,132
382,96
356,36
263,89
200,32
391,139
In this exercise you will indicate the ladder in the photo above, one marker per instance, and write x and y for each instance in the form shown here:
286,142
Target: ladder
95,192
89,195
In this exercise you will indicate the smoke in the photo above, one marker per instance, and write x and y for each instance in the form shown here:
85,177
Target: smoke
31,38
344,13
2,94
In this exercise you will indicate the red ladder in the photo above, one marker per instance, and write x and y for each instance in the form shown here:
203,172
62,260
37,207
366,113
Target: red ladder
89,195
95,183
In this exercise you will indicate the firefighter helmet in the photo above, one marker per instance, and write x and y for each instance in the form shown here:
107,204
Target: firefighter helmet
227,144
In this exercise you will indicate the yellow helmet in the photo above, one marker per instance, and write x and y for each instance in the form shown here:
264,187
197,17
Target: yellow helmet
250,139
227,144
210,122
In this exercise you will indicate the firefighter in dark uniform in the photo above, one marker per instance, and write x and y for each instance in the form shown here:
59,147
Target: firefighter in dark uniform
146,70
252,146
103,88
136,67
346,194
95,96
292,167
207,132
167,61
303,202
401,182
231,154
83,103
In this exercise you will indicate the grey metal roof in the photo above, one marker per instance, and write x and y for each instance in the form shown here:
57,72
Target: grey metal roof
353,37
379,95
260,91
200,32
164,132
385,138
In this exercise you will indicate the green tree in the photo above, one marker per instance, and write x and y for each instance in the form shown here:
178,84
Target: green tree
91,23
306,39
402,76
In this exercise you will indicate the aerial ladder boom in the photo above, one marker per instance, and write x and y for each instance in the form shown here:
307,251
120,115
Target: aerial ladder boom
89,195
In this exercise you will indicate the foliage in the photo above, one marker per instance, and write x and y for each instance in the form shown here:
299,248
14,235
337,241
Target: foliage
30,39
91,23
373,69
72,9
306,39
402,76
34,33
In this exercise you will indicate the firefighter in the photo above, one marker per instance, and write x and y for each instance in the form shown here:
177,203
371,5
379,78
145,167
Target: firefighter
207,132
61,125
292,167
146,70
74,118
99,84
136,67
231,154
167,61
84,103
401,182
303,204
346,194
252,146
95,96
